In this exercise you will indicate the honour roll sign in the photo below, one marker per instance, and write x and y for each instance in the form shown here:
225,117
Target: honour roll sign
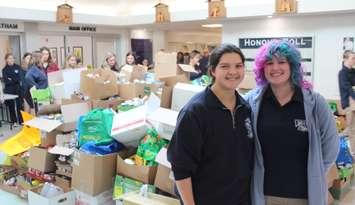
305,45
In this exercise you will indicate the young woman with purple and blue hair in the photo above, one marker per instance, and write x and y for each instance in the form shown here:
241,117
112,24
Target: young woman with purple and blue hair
296,139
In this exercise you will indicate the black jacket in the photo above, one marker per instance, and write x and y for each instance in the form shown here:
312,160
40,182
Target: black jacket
346,79
13,79
215,148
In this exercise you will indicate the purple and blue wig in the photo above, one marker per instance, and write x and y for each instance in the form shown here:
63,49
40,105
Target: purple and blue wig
279,49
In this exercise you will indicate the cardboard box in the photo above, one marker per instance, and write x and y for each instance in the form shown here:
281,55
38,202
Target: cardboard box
134,198
48,139
104,198
71,113
93,174
138,73
34,198
164,121
98,84
110,103
129,91
164,179
165,66
63,182
41,160
182,93
167,90
128,127
145,174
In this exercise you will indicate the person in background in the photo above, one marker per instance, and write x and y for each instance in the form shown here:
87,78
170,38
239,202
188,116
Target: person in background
130,58
212,148
146,65
195,57
36,76
203,63
180,58
186,58
296,136
13,79
47,63
111,62
71,61
28,102
346,79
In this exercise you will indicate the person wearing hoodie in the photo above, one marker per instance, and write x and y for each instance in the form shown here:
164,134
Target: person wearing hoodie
296,136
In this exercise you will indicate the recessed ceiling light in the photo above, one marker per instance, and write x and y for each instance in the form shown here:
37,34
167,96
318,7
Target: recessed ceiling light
212,25
269,17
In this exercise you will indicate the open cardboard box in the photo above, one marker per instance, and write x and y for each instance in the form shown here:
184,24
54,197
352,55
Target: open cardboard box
35,198
71,111
165,66
98,83
104,198
164,121
47,128
93,174
40,159
145,174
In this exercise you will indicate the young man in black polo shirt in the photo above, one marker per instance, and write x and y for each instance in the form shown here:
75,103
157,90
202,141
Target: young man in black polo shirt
211,151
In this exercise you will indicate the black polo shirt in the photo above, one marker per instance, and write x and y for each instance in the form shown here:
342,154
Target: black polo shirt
283,137
214,147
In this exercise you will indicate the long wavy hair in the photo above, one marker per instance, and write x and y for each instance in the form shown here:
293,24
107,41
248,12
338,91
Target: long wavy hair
280,48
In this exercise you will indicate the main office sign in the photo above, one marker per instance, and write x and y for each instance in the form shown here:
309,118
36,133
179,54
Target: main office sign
299,42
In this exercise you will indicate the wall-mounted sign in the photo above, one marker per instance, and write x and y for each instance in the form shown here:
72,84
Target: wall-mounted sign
82,28
11,26
299,42
250,46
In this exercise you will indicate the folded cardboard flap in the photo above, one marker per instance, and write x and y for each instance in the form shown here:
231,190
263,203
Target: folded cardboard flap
43,124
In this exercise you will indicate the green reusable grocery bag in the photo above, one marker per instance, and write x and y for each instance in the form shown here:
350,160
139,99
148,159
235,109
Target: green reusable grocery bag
96,126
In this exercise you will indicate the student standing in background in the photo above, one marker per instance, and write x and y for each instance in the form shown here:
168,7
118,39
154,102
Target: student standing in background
28,102
346,79
13,80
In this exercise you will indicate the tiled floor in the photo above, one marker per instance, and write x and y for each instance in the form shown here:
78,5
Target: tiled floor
10,199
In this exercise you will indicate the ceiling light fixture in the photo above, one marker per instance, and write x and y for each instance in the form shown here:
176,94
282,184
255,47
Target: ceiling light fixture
212,25
269,17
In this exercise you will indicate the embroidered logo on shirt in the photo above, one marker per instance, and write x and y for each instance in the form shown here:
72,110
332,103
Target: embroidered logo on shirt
300,125
248,126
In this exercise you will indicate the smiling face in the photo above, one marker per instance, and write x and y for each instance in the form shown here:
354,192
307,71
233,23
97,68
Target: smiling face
111,61
10,60
130,59
229,72
45,56
277,71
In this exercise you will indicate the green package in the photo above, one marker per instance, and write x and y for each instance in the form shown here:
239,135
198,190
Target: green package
125,185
